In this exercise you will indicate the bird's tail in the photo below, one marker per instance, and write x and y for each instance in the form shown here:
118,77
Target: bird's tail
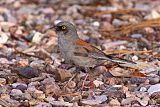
119,60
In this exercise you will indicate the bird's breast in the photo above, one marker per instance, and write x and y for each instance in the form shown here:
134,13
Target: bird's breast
66,48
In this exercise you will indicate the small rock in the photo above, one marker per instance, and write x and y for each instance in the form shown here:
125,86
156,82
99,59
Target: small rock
71,84
122,47
14,85
114,103
25,103
149,30
143,89
42,104
107,26
154,80
102,98
17,4
3,89
33,102
28,72
39,95
27,96
128,101
2,81
96,24
22,45
47,10
11,79
100,69
1,18
97,83
142,6
144,101
6,25
50,99
136,36
49,86
153,15
31,89
117,71
135,58
5,96
13,103
117,22
61,104
23,62
21,87
16,94
108,45
37,37
8,17
37,64
154,88
74,11
35,80
97,100
125,88
4,61
36,83
3,38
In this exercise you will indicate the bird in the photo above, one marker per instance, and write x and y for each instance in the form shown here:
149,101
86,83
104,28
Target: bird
78,52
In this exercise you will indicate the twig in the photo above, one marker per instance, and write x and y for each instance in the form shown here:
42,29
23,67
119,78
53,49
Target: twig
4,103
119,11
71,94
84,81
26,54
69,80
127,52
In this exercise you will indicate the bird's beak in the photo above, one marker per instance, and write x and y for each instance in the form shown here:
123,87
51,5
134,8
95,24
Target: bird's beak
52,27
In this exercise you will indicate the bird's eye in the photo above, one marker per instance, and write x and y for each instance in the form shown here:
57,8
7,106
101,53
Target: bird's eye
63,27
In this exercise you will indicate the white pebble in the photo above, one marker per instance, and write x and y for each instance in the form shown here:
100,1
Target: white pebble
135,58
97,24
143,89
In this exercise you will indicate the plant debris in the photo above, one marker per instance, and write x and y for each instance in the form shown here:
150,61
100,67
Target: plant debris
33,73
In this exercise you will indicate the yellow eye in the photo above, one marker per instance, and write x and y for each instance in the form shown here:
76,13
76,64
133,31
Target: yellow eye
63,27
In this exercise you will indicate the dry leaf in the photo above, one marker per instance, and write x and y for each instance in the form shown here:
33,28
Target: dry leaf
62,75
119,11
132,27
126,73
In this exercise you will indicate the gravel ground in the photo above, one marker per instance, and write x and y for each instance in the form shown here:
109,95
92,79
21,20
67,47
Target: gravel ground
33,74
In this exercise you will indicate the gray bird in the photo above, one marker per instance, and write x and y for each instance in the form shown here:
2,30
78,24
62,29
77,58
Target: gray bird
78,52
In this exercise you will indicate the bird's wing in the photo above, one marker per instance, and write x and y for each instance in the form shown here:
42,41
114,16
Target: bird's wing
84,47
87,50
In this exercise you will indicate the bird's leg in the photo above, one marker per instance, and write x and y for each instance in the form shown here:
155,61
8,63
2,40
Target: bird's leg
84,81
89,75
88,70
78,69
